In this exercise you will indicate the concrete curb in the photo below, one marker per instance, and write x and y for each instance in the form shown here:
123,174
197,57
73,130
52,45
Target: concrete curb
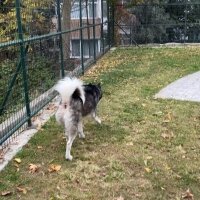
23,138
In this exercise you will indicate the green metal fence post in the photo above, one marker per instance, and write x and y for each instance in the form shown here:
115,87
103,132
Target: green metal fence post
60,38
81,37
185,23
23,65
113,23
108,23
94,30
146,10
102,23
88,28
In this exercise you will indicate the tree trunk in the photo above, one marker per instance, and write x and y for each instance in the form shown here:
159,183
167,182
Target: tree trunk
66,18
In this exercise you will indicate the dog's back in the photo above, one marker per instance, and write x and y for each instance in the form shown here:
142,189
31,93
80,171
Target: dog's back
92,96
72,99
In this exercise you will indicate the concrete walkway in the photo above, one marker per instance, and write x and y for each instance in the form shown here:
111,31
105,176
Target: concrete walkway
185,89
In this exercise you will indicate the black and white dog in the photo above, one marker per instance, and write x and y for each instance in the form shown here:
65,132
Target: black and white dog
77,100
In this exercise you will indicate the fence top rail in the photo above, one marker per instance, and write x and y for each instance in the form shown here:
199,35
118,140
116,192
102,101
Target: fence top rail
30,39
164,24
161,4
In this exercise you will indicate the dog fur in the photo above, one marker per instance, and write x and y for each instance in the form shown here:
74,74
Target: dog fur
77,101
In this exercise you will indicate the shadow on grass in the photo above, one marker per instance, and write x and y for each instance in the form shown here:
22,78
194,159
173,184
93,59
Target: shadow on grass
105,133
97,137
53,141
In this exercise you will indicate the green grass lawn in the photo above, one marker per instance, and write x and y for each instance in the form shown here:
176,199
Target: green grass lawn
145,149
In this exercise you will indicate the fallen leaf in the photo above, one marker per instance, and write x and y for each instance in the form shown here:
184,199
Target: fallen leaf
188,195
120,198
1,154
6,193
178,176
16,165
39,147
18,160
38,124
33,168
158,113
167,167
138,195
149,157
180,149
23,190
129,144
197,118
167,135
33,118
145,162
54,168
169,116
147,169
58,187
183,156
166,121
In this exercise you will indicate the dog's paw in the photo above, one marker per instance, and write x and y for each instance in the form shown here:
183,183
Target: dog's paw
81,135
98,120
69,157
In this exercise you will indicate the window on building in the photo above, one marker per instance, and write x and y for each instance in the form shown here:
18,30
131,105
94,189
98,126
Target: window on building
75,12
88,48
75,48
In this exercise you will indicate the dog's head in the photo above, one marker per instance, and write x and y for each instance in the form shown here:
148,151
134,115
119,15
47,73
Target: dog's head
100,90
94,89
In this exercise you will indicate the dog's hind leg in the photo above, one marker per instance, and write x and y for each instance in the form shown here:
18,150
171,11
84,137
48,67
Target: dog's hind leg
71,137
80,130
95,117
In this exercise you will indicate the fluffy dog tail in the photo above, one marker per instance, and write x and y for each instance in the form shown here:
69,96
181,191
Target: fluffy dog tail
69,88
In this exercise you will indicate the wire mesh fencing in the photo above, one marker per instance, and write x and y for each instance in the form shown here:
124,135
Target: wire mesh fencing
160,22
41,42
